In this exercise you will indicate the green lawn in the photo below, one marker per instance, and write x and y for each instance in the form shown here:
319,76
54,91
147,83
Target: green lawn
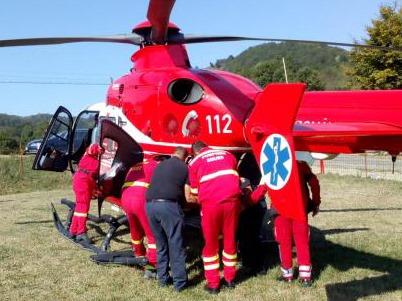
356,246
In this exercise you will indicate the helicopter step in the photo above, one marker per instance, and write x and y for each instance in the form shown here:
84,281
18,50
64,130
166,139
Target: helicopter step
113,222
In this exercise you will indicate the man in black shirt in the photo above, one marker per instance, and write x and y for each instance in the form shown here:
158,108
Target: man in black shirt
165,215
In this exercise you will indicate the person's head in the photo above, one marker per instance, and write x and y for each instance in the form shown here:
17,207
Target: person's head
94,150
180,152
197,147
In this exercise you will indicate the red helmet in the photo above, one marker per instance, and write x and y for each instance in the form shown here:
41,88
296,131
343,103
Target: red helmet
94,150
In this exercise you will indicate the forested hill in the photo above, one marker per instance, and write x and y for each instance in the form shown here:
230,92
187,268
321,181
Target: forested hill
15,121
324,66
14,129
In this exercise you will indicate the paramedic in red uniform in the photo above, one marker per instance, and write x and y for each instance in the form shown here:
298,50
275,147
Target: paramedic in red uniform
213,177
84,186
133,202
288,230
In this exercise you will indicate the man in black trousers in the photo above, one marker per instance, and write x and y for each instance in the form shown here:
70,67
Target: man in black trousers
164,197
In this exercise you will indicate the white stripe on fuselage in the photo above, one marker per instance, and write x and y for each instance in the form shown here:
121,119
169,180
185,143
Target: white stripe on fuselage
141,138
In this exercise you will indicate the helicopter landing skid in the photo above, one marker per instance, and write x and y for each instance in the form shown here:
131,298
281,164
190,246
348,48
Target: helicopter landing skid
114,224
126,258
63,231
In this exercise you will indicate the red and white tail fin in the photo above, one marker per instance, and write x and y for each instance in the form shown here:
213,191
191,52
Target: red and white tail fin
269,130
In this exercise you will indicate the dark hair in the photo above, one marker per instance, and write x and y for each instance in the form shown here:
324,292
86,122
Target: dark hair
180,152
197,146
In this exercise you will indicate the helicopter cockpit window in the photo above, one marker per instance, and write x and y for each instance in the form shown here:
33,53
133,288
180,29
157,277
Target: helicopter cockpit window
185,91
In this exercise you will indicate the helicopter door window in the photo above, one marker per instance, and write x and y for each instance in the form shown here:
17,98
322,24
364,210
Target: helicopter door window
82,135
121,152
53,152
109,165
112,119
110,146
185,91
58,138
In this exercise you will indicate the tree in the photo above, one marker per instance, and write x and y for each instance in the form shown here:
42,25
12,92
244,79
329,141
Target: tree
378,69
263,73
311,78
7,144
272,71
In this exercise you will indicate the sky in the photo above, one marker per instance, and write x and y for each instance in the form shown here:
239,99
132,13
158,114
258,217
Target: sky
37,79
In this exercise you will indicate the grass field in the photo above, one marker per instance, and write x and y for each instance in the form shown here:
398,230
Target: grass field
356,246
16,175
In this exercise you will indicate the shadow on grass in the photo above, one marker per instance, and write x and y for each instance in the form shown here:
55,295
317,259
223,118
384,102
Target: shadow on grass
319,233
102,234
34,222
193,243
327,253
7,201
360,209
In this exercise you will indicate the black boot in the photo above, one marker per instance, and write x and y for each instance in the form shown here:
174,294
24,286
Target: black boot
306,282
212,291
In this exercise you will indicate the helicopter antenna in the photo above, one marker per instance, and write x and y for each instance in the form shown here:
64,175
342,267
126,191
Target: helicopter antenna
284,69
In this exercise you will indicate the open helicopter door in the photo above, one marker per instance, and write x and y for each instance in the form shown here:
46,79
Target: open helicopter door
65,142
121,152
53,152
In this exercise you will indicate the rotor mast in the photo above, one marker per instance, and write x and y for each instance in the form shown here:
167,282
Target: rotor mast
158,15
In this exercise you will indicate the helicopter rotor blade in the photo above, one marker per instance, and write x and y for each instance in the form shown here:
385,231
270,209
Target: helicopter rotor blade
158,15
190,39
177,38
123,38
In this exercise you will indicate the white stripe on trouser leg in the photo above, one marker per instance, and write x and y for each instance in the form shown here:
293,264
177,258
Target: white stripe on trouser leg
151,246
211,258
305,271
210,267
287,273
79,214
229,256
229,263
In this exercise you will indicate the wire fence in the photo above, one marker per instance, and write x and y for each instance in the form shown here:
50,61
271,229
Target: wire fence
375,166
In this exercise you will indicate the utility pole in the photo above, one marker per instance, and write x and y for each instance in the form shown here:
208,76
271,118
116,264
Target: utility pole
284,69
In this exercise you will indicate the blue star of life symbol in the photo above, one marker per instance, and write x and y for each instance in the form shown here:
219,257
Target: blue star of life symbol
278,164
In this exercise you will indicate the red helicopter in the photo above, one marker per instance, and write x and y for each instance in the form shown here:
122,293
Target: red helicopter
164,102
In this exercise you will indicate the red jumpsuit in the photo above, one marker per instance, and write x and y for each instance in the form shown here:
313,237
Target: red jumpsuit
251,197
213,176
289,230
133,202
84,184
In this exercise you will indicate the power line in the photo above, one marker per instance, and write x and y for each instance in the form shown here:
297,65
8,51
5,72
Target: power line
52,83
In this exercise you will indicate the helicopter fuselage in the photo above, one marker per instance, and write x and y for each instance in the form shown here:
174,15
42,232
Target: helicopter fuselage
163,102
